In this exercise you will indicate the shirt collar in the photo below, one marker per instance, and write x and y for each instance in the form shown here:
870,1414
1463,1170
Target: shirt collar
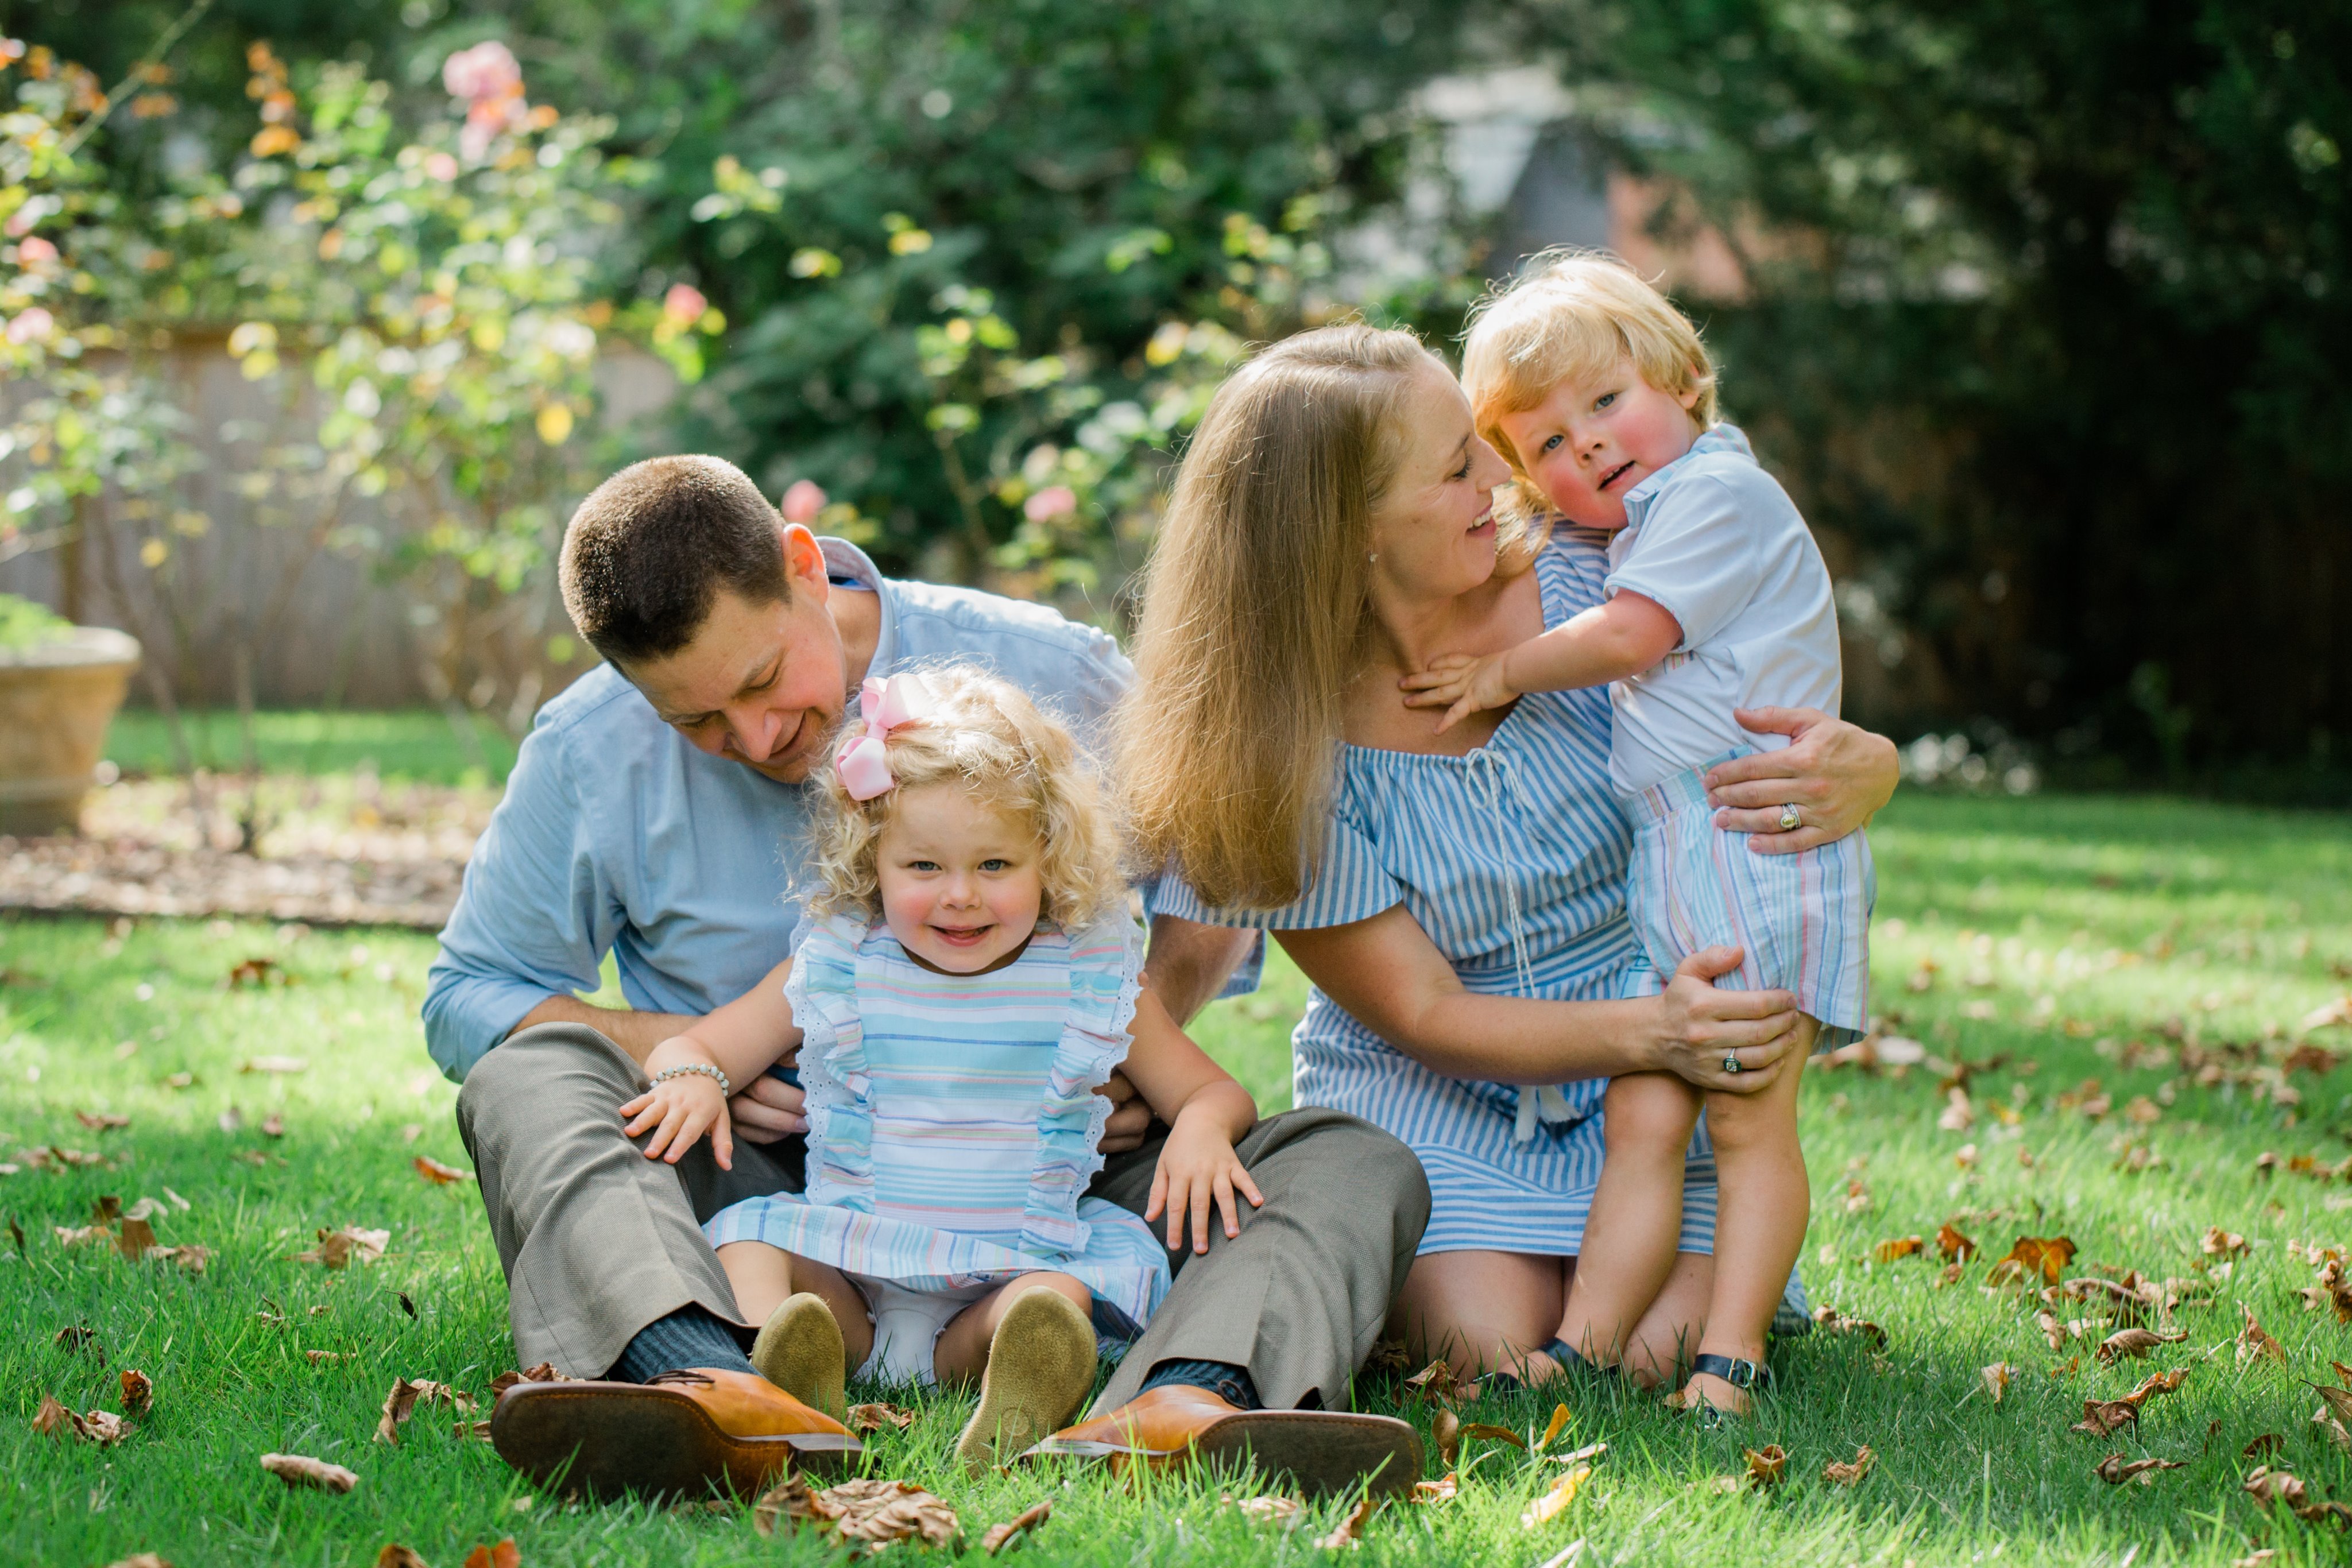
1721,436
844,559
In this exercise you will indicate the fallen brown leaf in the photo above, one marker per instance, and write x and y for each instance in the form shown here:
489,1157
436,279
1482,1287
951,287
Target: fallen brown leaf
2116,1472
2262,1447
137,1392
1444,1489
437,1173
2253,1343
868,1511
1996,1378
2219,1243
405,1396
396,1555
2051,1330
1901,1246
1432,1382
874,1418
191,1258
77,1337
544,1372
2157,1383
302,1470
141,1560
1553,1502
2135,1343
504,1555
1952,1245
281,1064
1446,1428
2269,1485
2102,1416
1286,1512
1552,1427
273,1125
1766,1465
2339,1400
1847,1475
101,1426
480,1431
1831,1321
1492,1434
326,1357
1346,1533
2046,1256
338,1247
136,1239
1015,1530
100,1121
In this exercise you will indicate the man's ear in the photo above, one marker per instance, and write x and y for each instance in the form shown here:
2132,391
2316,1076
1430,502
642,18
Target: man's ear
804,562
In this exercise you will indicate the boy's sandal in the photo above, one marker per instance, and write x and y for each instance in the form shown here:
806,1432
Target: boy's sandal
1570,1361
1738,1372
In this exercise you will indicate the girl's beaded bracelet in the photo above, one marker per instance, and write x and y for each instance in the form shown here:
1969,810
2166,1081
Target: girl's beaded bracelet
708,1071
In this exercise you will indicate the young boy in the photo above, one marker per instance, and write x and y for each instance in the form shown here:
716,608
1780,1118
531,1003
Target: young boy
1600,395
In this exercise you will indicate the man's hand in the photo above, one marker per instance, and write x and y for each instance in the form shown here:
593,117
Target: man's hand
1835,774
768,1109
1131,1117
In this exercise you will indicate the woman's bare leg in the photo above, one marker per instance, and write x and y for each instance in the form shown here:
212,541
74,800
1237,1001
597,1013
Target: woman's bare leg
1637,1211
1483,1312
1765,1200
963,1349
764,1275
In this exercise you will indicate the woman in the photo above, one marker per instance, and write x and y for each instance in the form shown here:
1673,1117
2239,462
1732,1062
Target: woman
1459,899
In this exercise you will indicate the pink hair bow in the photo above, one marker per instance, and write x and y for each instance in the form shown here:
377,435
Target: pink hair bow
864,761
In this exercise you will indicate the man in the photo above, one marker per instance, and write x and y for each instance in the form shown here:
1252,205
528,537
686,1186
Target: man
655,813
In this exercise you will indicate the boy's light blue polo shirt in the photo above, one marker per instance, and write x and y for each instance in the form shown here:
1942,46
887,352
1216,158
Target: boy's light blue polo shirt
617,835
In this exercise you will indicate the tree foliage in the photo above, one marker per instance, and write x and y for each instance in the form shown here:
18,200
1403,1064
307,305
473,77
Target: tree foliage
2047,313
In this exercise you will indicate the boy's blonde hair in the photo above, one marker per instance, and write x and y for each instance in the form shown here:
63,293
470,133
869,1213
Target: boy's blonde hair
985,734
1572,315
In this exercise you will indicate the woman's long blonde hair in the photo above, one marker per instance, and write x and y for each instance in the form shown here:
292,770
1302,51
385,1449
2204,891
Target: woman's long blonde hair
1257,613
985,734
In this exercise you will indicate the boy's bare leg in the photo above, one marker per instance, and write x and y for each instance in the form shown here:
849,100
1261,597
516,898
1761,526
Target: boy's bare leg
963,1349
1636,1217
764,1275
1761,1213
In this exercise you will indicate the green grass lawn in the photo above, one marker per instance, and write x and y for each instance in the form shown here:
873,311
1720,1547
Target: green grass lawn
418,746
2062,929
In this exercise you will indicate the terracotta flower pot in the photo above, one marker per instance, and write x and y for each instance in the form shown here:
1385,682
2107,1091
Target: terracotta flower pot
55,700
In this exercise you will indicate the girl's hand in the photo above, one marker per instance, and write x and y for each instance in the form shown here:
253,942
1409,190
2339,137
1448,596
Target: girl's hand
1198,1167
1697,1026
1460,684
678,1112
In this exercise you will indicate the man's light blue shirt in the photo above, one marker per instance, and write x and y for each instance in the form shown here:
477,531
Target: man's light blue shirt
616,835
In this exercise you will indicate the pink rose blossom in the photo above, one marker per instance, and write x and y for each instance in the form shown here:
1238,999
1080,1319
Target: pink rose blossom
487,70
804,501
35,251
684,304
32,326
1053,501
441,166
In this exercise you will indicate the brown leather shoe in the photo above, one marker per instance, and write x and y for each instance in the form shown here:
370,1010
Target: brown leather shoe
1321,1451
687,1432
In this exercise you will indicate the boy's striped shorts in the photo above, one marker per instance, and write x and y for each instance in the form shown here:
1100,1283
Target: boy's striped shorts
1804,919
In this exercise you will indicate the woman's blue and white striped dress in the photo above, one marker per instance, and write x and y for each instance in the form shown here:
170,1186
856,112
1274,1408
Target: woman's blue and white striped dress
1514,859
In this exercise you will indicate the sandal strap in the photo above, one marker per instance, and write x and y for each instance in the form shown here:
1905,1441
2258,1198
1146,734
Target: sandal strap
1738,1372
1567,1355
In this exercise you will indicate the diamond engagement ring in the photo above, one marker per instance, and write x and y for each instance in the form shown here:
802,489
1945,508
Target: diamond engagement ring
1790,820
1731,1065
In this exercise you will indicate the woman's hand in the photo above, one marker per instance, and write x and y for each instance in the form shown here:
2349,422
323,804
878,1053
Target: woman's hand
1835,774
1697,1026
1198,1167
678,1111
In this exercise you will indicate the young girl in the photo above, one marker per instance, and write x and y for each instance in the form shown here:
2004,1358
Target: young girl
966,978
1601,398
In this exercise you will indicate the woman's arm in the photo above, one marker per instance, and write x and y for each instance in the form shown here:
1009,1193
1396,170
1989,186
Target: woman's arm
1836,774
1388,973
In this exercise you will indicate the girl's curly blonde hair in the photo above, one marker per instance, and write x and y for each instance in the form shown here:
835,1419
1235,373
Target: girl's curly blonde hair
986,734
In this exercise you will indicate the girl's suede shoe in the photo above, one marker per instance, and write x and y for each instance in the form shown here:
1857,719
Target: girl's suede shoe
800,1351
1040,1362
688,1432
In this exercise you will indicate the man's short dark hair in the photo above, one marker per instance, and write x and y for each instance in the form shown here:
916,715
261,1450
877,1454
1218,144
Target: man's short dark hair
648,550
